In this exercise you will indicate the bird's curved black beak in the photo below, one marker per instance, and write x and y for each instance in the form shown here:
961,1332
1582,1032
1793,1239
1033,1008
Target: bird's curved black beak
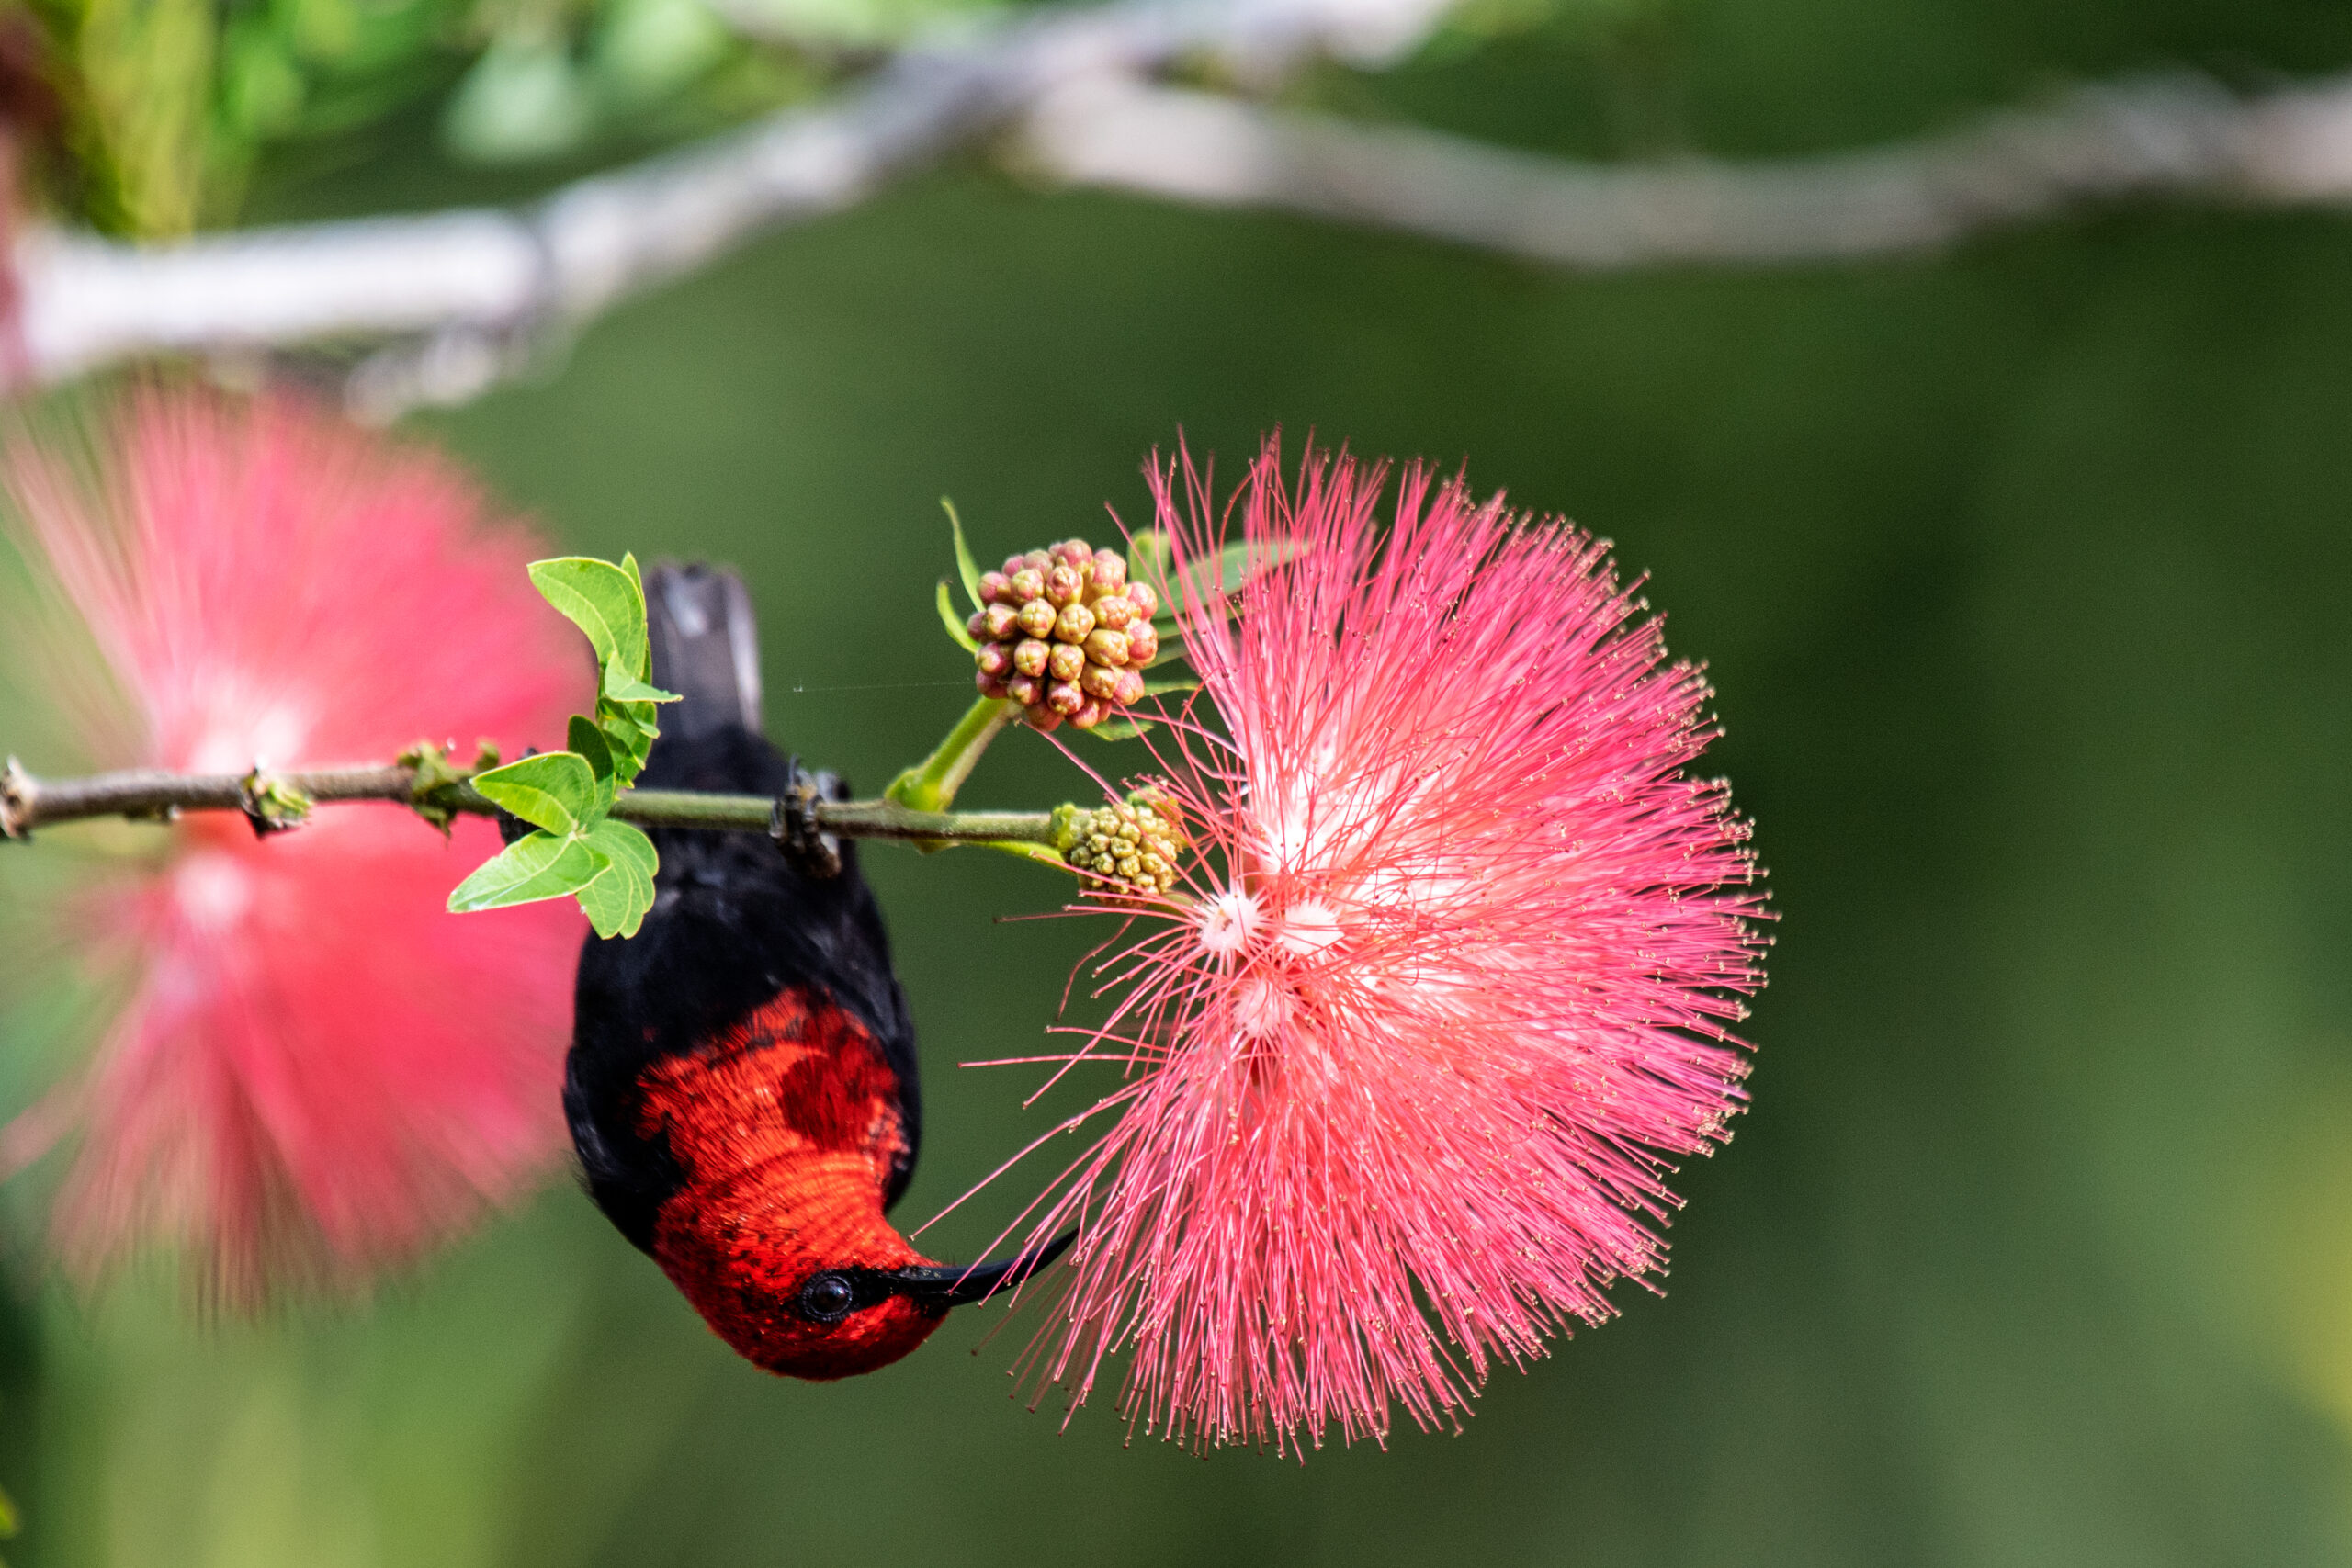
950,1284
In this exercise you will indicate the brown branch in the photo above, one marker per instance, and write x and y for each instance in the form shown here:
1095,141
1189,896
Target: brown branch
26,803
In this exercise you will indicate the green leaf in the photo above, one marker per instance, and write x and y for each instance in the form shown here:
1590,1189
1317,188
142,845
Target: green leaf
1232,569
1120,728
1161,688
953,622
626,844
604,601
585,739
542,866
617,902
1148,557
637,580
556,790
630,731
966,567
622,687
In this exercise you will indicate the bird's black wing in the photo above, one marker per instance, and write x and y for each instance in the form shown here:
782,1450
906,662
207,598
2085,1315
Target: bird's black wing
734,923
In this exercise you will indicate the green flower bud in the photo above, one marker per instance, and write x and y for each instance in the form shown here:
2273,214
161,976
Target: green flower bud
1037,618
994,585
1107,648
1065,698
1100,681
1074,624
1029,656
1146,601
995,659
1063,585
1028,583
1067,662
1024,689
1113,612
1143,643
1135,846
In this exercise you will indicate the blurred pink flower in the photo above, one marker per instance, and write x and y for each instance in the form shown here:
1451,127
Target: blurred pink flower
317,1072
1447,989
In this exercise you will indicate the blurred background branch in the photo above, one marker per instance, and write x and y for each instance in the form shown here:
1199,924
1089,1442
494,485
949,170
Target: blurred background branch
474,289
450,303
2174,137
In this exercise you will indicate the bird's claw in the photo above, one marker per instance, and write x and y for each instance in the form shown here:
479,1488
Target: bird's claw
793,824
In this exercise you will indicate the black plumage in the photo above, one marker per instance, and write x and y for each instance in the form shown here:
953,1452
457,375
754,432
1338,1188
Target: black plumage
733,923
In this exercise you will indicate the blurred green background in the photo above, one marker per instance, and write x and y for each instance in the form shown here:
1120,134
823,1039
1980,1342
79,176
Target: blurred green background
2022,572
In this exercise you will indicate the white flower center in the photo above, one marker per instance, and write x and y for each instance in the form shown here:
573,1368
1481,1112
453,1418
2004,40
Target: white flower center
1307,928
1227,922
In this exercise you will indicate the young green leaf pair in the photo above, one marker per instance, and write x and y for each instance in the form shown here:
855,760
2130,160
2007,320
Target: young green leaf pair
577,848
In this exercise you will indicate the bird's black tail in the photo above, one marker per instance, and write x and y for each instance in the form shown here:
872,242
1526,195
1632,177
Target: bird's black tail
705,646
705,649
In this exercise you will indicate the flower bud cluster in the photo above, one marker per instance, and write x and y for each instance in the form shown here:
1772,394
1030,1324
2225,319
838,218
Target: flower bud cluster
1135,845
1065,634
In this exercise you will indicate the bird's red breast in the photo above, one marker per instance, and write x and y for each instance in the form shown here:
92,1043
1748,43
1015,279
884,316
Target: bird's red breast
786,1130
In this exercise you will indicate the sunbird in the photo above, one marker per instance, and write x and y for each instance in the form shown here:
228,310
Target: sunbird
742,1085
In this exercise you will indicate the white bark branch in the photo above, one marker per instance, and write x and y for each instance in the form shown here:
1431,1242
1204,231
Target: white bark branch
466,295
2175,138
478,281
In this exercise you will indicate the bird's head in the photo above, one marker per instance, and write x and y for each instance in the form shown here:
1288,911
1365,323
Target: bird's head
813,1282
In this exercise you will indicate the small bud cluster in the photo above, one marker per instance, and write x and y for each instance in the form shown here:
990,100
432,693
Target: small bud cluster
1065,634
1135,845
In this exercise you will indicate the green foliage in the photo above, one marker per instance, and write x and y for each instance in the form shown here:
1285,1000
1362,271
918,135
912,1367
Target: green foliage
438,794
966,568
578,849
608,602
170,106
557,791
953,622
1151,559
968,571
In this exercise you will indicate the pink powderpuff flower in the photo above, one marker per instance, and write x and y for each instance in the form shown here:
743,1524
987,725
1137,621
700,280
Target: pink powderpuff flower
317,1072
1445,989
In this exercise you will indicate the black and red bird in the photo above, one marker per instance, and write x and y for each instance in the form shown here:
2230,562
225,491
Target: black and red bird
741,1086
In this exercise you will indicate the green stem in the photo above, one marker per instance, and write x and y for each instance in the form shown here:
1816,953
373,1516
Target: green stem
847,819
931,785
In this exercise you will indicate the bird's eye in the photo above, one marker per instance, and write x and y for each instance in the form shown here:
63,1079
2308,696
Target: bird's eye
826,1298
